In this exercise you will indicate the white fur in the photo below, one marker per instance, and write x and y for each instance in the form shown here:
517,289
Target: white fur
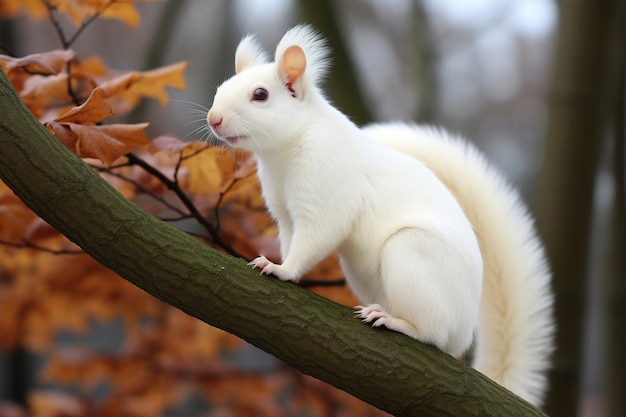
516,328
314,46
406,246
248,54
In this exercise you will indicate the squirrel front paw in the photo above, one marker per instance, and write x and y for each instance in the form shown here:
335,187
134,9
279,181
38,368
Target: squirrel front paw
268,267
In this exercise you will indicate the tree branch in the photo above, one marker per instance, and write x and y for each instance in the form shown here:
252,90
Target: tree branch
309,332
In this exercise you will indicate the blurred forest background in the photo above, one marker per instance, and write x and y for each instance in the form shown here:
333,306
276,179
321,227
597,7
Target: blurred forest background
538,85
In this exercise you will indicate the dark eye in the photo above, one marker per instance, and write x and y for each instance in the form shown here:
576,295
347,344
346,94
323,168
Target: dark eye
260,94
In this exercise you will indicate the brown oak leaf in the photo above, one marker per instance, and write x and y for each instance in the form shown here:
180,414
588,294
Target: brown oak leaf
78,131
45,63
92,111
126,90
107,143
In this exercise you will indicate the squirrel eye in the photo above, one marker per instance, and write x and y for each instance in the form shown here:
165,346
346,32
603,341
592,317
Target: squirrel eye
260,94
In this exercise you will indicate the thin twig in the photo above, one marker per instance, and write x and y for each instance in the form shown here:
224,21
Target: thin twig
67,43
141,188
172,185
182,158
89,21
29,245
309,283
133,159
55,23
218,204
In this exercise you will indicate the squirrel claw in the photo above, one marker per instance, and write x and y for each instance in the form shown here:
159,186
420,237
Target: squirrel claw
372,313
268,267
265,265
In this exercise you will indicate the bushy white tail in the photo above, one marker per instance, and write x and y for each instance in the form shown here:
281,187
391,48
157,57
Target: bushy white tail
515,333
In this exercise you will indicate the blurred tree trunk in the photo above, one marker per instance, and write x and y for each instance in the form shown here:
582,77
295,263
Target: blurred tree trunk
427,64
616,286
229,40
575,132
616,293
342,87
7,40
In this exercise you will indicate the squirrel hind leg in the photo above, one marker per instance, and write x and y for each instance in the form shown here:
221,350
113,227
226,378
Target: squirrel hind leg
426,292
377,317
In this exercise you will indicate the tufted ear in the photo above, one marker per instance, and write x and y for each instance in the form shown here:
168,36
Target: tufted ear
312,55
248,54
292,64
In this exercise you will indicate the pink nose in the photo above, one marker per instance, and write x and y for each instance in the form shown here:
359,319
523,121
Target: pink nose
214,119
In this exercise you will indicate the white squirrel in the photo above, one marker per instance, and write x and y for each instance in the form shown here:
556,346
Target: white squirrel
423,225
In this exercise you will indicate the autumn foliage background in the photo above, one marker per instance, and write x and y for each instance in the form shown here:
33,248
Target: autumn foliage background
103,346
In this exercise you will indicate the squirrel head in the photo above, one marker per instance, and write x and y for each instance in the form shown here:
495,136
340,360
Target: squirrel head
265,104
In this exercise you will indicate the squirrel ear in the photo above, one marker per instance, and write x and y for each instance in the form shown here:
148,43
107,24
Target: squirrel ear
310,45
292,65
249,53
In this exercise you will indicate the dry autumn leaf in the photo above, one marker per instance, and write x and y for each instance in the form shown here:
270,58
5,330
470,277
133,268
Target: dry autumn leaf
33,8
126,90
107,143
207,169
45,63
55,403
89,68
92,111
76,130
110,142
124,11
80,11
41,93
14,216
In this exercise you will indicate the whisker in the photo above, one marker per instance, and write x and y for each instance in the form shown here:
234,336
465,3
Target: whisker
192,103
191,122
197,111
203,130
195,117
260,132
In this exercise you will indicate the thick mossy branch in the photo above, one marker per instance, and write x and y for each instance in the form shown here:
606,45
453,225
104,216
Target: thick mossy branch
311,333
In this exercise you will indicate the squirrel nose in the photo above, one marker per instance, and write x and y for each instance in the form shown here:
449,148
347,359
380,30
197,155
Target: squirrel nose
214,119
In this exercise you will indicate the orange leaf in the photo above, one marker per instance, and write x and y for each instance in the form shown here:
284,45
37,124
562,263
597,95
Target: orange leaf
90,112
45,63
108,143
133,86
92,66
208,168
40,230
14,216
63,133
40,93
51,403
125,12
246,168
79,11
34,8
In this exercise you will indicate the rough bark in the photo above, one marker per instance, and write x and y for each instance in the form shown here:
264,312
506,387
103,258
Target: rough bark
311,333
